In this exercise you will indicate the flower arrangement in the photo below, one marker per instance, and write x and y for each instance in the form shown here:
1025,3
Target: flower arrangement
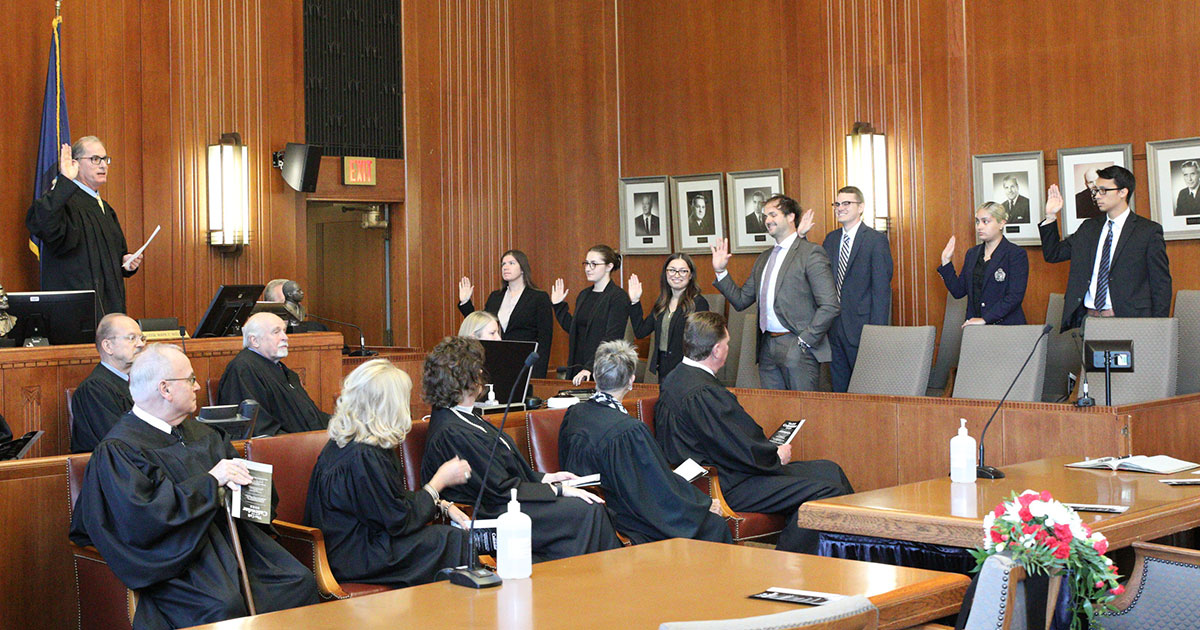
1047,537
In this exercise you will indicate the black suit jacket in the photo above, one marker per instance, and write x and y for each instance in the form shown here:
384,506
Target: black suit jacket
1140,276
532,319
641,228
867,287
1186,203
1004,281
643,326
608,312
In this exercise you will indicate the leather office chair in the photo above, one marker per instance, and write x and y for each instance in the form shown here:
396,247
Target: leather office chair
104,602
543,438
411,450
990,358
893,360
1161,592
293,456
998,594
1155,357
947,351
1187,311
1062,353
850,613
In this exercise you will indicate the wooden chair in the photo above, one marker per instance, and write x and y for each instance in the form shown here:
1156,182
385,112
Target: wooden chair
104,602
293,456
851,613
1161,592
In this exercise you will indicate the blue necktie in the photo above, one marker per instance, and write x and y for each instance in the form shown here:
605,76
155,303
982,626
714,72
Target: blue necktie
1102,273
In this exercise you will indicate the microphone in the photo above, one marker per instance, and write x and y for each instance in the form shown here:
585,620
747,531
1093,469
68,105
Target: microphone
362,339
983,471
472,575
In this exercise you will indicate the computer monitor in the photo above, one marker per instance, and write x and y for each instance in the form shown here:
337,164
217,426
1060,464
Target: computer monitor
229,309
59,317
502,362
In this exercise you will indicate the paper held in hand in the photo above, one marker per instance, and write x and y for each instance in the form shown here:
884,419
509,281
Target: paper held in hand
1158,464
585,481
787,431
144,245
690,470
252,501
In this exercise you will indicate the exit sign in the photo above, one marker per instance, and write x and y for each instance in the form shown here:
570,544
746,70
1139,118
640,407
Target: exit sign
358,171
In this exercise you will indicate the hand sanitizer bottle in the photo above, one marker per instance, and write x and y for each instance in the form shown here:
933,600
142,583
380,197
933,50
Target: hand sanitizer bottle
514,529
962,456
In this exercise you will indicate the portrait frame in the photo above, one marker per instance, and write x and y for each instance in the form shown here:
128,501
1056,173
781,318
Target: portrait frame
1164,162
635,238
685,189
994,173
740,187
1073,165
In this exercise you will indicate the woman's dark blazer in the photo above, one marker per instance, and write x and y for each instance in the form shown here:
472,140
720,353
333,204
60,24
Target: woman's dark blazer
532,319
1003,283
610,311
643,326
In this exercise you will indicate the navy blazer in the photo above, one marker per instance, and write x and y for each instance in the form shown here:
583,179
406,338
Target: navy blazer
643,326
867,287
1003,283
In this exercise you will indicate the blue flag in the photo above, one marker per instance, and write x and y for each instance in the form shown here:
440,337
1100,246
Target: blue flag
55,130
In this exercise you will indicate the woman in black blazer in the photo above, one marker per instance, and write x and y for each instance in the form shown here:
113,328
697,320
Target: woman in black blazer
994,272
600,314
678,296
523,309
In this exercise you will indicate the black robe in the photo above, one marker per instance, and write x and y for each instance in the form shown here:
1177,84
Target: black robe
532,319
598,317
377,532
562,526
98,402
5,432
150,507
648,501
284,405
81,248
697,417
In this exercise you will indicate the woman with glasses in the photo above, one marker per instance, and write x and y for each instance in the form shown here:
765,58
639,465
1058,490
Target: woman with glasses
523,310
600,314
678,296
376,531
994,272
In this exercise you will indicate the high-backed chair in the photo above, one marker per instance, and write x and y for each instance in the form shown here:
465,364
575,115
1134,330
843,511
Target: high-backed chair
999,598
210,388
543,438
1161,592
1187,311
1155,357
948,346
893,360
1062,353
743,349
850,613
411,450
104,602
293,456
990,358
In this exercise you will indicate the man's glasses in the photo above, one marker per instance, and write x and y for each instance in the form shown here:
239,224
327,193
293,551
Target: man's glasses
131,337
844,204
678,272
191,379
97,160
1098,191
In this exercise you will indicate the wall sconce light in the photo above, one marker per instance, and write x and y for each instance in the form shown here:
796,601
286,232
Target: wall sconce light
228,193
866,167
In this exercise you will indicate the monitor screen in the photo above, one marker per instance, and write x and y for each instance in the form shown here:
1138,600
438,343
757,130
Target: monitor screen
229,309
61,317
502,362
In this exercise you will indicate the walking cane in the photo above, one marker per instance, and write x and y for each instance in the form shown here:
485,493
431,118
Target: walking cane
237,548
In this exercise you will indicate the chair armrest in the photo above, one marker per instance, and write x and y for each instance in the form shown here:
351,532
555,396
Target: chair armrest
1143,550
307,544
710,484
89,552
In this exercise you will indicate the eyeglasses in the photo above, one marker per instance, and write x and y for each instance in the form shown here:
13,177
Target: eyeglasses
96,160
1097,191
131,337
844,204
678,272
191,378
587,264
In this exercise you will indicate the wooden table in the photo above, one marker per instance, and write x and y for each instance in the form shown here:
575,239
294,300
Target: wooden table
940,512
635,587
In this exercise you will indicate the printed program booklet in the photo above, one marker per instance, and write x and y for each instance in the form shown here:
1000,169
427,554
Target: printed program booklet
252,501
787,431
690,470
1158,464
585,481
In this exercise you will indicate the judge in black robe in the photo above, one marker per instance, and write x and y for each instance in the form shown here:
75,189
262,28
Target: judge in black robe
82,246
98,402
647,500
531,317
600,311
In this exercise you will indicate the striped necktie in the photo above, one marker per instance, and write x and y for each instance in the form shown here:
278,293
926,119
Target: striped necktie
1102,273
843,260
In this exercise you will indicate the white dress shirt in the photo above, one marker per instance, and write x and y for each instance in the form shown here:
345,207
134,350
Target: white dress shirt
151,420
1089,299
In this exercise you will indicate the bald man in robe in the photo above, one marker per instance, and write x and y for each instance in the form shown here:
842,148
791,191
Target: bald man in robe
103,397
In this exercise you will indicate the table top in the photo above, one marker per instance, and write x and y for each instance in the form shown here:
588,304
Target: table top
635,587
941,512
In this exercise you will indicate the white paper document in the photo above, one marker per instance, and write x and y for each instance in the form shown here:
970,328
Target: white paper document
143,247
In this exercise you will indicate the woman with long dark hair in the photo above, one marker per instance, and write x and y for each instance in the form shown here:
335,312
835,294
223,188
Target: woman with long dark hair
678,297
600,314
523,309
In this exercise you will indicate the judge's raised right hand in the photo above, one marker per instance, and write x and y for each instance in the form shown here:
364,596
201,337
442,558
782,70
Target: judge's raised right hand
720,255
453,472
465,289
557,292
1054,204
785,453
949,251
227,471
67,165
635,289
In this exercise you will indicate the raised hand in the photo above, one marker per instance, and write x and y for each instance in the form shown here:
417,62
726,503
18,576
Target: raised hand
635,289
1054,203
583,375
67,165
557,292
720,255
806,222
465,289
949,251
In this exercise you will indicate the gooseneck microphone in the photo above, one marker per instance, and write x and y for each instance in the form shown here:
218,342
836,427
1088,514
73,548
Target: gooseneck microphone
362,339
472,575
983,471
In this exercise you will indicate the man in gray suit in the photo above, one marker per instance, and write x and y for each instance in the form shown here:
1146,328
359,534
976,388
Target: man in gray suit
797,299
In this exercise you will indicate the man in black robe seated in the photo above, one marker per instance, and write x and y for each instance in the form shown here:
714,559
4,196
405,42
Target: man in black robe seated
647,500
103,397
698,417
258,373
151,503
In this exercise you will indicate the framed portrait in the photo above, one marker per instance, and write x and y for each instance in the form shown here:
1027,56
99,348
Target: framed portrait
1077,176
645,215
1174,167
746,193
1013,180
699,212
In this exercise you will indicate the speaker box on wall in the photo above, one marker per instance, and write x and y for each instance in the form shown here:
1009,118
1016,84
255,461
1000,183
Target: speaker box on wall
301,164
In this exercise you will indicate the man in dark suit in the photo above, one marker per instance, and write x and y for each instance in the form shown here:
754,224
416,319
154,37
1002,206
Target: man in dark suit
793,285
1119,263
864,281
754,218
1085,202
1015,204
646,223
1188,201
700,219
